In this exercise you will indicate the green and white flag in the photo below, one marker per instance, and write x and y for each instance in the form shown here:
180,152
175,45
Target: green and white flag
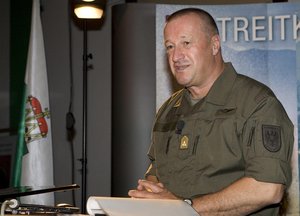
34,159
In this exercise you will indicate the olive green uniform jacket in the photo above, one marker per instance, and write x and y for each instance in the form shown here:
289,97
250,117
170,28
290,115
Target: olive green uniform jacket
239,129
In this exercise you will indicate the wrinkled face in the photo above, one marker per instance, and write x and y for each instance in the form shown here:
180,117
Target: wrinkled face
189,50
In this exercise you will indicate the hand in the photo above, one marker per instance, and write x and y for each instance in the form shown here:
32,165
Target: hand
151,190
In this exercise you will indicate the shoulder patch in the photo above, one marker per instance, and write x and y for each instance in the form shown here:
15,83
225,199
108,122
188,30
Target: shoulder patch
271,137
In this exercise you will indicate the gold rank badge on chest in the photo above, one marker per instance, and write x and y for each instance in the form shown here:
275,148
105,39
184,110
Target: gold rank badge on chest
184,142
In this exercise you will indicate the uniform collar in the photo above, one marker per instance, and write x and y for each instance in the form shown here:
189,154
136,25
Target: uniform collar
220,90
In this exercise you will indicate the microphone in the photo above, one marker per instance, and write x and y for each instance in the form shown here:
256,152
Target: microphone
13,204
179,126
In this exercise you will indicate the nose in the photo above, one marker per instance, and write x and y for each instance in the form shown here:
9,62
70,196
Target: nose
177,54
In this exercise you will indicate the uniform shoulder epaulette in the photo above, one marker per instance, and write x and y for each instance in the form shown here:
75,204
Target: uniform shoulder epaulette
175,96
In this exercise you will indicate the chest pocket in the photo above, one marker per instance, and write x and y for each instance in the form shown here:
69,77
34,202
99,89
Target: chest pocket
219,144
185,143
174,141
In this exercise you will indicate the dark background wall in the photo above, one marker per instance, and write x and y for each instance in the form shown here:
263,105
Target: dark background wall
121,92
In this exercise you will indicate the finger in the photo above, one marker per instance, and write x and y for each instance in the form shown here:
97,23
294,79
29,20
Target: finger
151,186
140,187
161,185
141,194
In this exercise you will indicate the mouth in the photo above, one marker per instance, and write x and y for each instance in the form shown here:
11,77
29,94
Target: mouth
180,68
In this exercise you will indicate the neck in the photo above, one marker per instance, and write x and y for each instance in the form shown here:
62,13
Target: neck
199,92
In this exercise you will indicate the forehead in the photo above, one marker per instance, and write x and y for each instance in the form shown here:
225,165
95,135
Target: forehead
183,25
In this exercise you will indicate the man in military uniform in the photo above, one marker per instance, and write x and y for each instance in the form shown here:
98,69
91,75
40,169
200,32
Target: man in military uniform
224,142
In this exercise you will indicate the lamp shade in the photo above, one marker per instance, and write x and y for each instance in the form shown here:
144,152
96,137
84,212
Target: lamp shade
89,9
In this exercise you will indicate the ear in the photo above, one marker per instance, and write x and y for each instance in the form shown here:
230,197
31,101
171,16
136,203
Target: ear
216,45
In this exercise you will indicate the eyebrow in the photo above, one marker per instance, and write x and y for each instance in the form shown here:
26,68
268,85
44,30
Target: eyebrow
182,37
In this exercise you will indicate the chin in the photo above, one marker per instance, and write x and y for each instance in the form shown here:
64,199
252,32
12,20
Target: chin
180,79
182,82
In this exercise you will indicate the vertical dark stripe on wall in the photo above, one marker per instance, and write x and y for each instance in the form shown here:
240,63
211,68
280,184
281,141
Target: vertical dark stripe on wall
133,92
20,19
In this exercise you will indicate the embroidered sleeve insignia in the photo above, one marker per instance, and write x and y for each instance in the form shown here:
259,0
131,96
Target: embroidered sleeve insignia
271,137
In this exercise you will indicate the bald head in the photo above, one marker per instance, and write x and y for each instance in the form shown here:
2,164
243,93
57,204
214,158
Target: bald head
207,21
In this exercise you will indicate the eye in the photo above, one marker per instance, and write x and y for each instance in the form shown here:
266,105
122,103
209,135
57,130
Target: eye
169,47
186,43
